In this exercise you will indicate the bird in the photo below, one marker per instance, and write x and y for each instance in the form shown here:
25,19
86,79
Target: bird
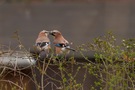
61,44
43,42
42,45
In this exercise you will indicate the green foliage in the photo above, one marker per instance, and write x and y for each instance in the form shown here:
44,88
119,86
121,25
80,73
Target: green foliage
113,68
114,64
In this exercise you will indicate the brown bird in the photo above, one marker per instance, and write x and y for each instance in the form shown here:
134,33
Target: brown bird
61,44
43,42
42,45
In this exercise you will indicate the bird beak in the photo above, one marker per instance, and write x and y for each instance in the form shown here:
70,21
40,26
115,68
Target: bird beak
51,33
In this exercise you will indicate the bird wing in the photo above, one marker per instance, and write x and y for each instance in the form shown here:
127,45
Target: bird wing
42,44
61,45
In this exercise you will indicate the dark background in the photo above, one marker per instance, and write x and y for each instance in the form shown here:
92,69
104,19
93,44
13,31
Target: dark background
79,21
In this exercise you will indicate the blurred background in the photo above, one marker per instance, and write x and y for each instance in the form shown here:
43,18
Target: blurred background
80,21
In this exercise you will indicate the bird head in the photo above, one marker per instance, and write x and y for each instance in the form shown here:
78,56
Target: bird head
44,33
55,33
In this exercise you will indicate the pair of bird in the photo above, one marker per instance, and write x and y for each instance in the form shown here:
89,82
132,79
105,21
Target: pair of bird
61,45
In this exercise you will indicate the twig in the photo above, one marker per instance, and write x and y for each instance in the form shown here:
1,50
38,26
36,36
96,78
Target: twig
11,83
